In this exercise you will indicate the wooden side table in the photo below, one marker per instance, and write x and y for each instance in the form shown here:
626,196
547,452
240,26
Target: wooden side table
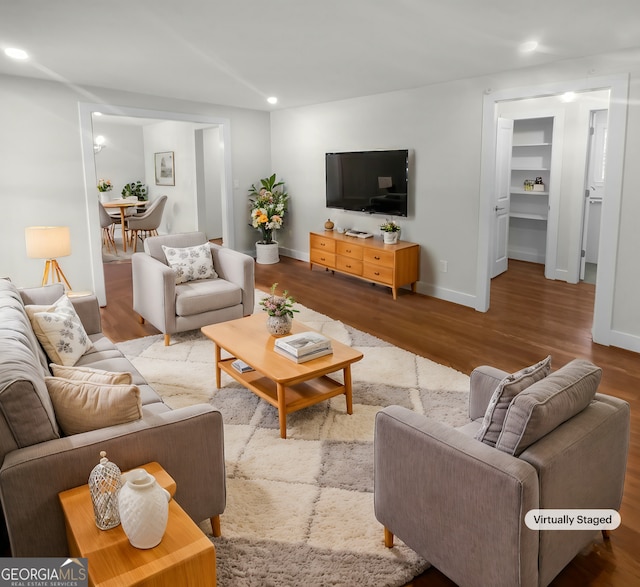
184,557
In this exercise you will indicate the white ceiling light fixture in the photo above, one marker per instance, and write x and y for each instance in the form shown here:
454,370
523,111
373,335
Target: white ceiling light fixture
528,47
16,53
98,144
568,97
272,100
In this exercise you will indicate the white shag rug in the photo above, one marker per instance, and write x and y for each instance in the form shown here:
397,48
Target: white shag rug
300,510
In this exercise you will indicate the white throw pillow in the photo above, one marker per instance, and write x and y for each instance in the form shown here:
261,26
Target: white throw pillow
91,374
190,263
60,331
81,406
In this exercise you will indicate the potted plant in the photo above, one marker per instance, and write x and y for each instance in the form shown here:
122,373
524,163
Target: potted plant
280,311
104,186
390,232
268,206
137,189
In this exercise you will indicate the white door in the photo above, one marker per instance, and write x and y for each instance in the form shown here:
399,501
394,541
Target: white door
594,188
504,141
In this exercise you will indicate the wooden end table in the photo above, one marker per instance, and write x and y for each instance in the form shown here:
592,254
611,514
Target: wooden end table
285,384
184,557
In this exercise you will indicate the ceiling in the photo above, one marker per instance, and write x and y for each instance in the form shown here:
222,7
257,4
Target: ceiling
239,52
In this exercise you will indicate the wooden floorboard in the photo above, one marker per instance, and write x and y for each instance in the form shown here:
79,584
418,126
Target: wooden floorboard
530,317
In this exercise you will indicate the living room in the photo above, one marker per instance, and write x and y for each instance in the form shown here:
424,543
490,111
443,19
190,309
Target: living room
48,156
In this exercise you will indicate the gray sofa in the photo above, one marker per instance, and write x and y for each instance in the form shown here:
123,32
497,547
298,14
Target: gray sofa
461,503
38,462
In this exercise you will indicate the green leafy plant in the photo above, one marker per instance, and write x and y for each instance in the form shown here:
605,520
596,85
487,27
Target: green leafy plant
389,226
135,188
276,305
268,206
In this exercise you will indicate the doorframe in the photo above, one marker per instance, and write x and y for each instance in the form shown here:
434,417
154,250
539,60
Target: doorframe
618,104
90,178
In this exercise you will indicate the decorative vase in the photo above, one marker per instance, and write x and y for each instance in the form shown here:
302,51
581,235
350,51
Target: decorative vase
279,325
328,225
267,254
105,197
390,238
104,486
144,509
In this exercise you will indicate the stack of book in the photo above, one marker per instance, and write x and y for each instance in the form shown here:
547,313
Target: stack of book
304,346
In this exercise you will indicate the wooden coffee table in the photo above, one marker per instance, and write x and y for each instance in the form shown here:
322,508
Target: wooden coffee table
185,556
285,384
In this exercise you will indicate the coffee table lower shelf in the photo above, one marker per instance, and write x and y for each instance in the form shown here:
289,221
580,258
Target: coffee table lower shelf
295,396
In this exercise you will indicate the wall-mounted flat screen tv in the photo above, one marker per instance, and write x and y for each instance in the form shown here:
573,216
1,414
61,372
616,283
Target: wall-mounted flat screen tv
368,181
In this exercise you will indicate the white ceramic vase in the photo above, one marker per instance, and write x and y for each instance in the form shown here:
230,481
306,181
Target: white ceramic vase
267,254
390,238
144,509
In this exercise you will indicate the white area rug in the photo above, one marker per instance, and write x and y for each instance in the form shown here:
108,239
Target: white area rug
300,511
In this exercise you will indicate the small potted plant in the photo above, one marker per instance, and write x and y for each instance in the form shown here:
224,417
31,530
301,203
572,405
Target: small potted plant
104,186
390,232
135,189
280,311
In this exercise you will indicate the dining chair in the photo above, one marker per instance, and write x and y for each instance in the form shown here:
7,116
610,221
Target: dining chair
108,228
146,224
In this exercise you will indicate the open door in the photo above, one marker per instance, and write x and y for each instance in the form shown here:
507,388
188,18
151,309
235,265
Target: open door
504,141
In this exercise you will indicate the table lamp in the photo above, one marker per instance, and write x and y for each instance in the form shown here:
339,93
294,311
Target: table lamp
49,242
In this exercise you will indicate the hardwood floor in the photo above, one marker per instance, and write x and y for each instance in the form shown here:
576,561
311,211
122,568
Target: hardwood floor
530,318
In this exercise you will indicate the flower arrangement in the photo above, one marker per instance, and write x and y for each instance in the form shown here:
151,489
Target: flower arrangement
104,185
268,205
389,226
276,305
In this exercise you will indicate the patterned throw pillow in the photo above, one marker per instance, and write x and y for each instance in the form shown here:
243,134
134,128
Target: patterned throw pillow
60,331
509,388
190,263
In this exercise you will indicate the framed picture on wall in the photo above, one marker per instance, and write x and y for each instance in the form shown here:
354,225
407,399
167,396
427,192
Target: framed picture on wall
165,171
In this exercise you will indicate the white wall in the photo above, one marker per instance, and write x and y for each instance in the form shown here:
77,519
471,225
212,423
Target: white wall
122,158
442,125
42,180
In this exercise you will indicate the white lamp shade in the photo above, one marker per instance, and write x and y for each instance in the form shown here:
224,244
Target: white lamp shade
47,242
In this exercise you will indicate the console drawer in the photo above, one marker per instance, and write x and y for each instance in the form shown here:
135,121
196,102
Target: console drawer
379,257
378,273
349,250
323,258
322,243
349,265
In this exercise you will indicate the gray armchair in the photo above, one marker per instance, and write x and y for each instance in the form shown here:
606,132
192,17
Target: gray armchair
461,503
172,307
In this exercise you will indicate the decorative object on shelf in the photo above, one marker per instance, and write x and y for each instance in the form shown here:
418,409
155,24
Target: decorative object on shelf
268,207
135,189
528,185
328,225
390,232
280,311
165,168
105,482
538,186
144,509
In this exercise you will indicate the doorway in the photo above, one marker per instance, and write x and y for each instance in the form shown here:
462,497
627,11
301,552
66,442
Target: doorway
226,199
618,87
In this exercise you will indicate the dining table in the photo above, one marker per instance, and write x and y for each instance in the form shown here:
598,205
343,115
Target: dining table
123,205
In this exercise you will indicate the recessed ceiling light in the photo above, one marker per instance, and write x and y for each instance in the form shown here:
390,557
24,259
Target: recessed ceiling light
528,47
272,100
15,53
97,113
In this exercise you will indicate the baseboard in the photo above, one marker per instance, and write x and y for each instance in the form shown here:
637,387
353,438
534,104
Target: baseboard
624,340
448,295
525,255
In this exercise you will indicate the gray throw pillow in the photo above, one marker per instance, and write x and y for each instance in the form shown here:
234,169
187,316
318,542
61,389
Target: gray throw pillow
508,388
548,403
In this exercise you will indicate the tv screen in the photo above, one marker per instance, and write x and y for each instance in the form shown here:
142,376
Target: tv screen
368,181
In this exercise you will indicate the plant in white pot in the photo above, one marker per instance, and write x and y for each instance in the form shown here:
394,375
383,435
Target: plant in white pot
268,207
390,232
